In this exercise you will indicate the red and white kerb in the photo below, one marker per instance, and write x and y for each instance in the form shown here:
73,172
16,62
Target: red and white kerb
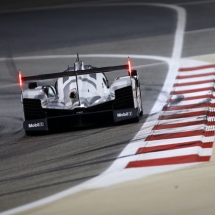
185,129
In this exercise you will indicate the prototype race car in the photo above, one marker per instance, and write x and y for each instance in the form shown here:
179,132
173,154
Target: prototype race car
80,96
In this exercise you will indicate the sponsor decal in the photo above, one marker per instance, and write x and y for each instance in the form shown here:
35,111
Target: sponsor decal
35,125
124,114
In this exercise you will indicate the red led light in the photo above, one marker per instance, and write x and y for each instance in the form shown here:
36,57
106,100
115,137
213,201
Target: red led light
129,66
20,79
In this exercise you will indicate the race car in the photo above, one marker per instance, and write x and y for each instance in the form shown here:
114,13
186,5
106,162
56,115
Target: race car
80,96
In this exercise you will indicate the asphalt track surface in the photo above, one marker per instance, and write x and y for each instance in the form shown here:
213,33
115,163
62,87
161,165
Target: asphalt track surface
35,167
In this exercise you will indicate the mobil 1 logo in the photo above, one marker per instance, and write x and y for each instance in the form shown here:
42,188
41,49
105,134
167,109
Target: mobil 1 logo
39,124
124,114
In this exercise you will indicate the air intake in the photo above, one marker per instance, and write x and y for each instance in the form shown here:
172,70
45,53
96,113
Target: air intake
123,98
33,109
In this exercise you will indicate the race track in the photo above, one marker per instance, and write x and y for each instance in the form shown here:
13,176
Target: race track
39,166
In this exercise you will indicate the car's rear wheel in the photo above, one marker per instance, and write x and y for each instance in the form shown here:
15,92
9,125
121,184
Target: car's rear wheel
137,118
141,103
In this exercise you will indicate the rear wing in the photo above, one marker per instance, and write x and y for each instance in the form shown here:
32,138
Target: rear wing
73,73
76,73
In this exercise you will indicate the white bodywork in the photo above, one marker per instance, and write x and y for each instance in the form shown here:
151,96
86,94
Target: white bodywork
91,90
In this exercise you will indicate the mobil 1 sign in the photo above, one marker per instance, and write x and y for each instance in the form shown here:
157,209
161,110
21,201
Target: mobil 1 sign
124,114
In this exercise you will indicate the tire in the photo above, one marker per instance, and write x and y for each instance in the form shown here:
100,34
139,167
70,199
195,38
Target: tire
137,118
141,112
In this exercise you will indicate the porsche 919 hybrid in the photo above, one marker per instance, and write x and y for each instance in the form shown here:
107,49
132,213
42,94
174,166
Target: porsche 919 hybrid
80,96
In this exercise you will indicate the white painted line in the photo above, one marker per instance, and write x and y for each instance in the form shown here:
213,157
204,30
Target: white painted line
174,64
172,141
189,102
156,155
149,65
211,119
187,95
171,153
206,152
209,139
171,131
168,113
196,2
203,78
94,183
180,120
210,128
194,87
196,72
125,56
